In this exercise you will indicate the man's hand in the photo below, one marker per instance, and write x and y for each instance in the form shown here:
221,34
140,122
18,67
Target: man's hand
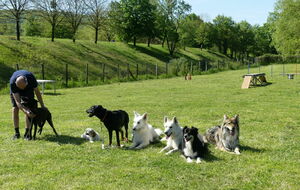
30,114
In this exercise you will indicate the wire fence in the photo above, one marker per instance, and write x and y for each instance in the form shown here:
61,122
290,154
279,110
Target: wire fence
68,75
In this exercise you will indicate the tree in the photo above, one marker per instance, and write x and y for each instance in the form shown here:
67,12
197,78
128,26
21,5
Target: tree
246,38
133,19
263,40
33,25
15,9
173,12
96,15
74,11
188,30
203,35
49,10
286,24
223,32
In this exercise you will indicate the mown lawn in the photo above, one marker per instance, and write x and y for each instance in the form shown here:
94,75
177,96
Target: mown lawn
270,134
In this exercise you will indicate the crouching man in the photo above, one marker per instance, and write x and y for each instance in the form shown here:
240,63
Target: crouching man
23,84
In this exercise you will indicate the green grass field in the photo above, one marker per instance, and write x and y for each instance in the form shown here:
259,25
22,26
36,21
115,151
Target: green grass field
269,124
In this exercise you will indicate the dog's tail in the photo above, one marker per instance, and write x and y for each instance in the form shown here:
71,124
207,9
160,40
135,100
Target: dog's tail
209,136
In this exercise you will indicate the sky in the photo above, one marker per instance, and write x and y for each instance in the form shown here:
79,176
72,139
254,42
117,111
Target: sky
253,11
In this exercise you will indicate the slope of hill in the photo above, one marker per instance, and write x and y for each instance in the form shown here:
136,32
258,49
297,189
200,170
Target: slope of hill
31,53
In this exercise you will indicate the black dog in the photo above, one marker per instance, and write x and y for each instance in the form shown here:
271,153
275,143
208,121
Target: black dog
113,121
193,146
42,115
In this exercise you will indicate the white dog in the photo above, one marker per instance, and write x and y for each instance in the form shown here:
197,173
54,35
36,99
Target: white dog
91,135
174,135
143,133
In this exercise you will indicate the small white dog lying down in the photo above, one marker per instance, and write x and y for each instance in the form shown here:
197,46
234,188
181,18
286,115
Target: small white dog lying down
91,135
143,133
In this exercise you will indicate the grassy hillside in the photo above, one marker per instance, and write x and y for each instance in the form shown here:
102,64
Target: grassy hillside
269,122
30,53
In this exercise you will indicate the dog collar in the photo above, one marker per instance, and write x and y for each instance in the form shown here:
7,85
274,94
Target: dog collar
104,117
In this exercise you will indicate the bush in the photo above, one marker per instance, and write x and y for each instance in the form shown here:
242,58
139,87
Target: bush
179,66
271,58
267,59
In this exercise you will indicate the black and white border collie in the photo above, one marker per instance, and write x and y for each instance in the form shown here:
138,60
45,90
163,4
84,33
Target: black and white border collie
194,147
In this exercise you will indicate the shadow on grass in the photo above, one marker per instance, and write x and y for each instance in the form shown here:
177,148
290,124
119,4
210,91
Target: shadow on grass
248,148
164,57
65,139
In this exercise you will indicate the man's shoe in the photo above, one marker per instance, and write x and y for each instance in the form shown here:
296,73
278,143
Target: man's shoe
16,136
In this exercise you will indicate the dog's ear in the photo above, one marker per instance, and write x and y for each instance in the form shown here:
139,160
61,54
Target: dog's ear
136,114
194,128
237,118
165,119
225,117
93,133
175,120
145,116
185,127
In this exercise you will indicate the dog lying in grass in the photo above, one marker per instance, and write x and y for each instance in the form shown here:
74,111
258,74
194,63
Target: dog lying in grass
194,147
92,136
42,115
143,133
174,135
113,121
226,136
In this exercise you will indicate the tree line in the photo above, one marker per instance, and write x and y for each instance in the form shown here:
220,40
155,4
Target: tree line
168,22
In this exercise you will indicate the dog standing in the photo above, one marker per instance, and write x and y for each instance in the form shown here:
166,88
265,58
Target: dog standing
42,115
226,136
174,135
193,145
113,121
143,133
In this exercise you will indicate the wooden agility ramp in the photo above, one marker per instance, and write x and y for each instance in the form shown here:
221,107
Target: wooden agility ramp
254,79
247,81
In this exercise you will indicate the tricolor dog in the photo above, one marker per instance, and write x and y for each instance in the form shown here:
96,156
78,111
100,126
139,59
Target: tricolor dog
194,147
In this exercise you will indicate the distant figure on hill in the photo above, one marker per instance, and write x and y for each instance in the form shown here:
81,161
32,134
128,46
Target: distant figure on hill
23,84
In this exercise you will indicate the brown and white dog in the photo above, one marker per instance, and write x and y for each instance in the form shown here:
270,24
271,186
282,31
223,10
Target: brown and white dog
226,136
91,135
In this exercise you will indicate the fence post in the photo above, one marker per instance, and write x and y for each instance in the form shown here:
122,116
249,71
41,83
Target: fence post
127,71
191,68
272,70
283,69
118,72
218,64
156,71
137,71
166,69
87,74
43,72
206,66
103,72
199,66
17,67
248,67
67,75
